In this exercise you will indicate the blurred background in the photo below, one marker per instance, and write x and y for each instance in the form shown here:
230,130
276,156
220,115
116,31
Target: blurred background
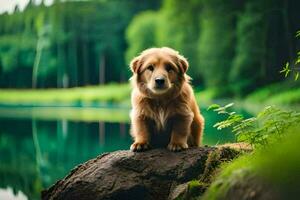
64,73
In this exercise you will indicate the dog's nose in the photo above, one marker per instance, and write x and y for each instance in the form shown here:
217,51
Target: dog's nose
160,81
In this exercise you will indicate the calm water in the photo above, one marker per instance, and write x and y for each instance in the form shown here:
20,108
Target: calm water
39,146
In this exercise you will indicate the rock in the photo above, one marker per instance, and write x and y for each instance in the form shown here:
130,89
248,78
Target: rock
179,191
127,175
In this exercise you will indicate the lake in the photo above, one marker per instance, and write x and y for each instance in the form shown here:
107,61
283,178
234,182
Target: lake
40,145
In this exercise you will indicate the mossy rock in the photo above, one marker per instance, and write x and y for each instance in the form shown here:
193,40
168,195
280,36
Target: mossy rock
272,172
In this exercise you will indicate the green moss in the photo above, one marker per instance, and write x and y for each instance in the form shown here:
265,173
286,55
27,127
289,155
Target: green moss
281,163
215,159
230,174
278,165
195,188
195,185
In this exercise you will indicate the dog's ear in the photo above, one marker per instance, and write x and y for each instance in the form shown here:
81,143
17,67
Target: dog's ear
183,63
135,64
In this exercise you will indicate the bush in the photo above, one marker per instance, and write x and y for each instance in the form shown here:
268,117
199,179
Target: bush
268,126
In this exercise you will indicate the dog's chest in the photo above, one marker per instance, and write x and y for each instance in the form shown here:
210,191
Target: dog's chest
160,117
159,113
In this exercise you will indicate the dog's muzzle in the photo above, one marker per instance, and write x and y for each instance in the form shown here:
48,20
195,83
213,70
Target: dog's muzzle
160,82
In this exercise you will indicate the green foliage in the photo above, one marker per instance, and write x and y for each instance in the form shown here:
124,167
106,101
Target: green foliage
66,111
263,94
140,33
232,47
270,124
283,158
236,45
195,188
215,159
160,29
230,174
216,41
232,119
289,97
287,70
250,49
178,27
277,165
69,43
206,96
284,94
73,96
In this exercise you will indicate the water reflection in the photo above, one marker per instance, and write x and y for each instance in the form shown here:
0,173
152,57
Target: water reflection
34,154
36,151
8,194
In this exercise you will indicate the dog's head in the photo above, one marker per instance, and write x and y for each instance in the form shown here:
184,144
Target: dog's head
159,71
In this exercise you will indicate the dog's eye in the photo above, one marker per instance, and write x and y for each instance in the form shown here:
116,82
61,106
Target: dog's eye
169,67
150,67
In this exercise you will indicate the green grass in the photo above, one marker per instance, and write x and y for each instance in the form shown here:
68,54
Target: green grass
278,165
262,94
290,97
276,94
67,113
82,95
230,174
206,96
285,93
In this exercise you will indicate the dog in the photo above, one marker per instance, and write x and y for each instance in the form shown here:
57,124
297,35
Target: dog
164,108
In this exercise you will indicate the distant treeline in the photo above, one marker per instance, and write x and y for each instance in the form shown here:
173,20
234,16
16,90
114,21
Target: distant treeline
70,43
233,46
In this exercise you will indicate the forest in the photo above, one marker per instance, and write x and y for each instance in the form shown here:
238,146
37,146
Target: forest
65,92
67,44
233,47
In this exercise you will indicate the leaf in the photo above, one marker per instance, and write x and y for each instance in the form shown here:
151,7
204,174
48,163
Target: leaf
286,69
262,130
213,107
298,34
228,105
296,76
220,109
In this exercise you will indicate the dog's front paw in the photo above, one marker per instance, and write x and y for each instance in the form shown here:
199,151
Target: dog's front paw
139,146
177,146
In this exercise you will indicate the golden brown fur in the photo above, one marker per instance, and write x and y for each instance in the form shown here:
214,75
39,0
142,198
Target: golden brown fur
164,109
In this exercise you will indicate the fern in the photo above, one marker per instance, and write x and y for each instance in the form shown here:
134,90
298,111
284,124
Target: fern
269,125
295,69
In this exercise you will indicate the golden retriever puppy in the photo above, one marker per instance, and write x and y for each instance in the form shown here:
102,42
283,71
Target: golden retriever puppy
164,109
